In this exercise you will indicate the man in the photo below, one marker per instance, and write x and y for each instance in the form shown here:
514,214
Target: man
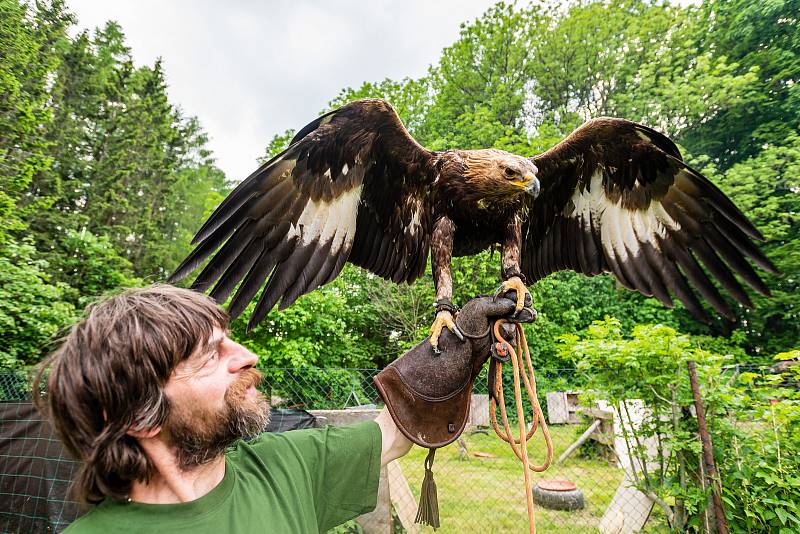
151,394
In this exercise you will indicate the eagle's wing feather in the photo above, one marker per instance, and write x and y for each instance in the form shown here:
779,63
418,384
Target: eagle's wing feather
617,197
352,185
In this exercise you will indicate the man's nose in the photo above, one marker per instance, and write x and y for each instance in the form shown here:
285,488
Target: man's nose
242,358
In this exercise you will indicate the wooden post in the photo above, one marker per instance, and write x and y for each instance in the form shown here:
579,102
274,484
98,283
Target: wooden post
579,441
708,451
402,499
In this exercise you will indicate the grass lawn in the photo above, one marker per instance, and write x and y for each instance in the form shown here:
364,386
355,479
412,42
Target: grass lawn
488,494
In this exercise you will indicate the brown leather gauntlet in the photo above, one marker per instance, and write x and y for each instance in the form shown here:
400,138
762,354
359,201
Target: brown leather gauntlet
428,394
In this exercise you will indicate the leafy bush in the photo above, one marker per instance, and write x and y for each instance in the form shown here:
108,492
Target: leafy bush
311,333
761,469
32,308
90,265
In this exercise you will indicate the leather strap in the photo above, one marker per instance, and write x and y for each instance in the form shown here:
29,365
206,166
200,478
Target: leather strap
512,274
444,305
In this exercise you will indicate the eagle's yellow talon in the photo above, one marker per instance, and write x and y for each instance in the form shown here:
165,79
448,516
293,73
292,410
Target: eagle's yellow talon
443,319
514,283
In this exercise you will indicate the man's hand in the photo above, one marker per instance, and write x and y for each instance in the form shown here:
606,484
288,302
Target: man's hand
394,444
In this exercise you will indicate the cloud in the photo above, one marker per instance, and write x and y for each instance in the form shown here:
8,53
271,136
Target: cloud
249,70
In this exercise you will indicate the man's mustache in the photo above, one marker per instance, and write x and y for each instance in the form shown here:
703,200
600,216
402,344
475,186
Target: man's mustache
249,377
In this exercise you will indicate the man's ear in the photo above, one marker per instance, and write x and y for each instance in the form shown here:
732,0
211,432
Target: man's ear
144,434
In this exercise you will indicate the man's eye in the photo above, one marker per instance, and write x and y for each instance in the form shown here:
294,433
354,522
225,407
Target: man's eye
212,358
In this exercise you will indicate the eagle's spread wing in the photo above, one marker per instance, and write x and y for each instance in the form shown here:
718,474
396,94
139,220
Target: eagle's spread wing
617,197
352,185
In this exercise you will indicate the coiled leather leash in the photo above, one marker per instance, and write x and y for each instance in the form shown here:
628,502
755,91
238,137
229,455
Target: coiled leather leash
503,351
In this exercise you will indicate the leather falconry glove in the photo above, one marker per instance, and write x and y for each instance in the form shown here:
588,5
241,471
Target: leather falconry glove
428,393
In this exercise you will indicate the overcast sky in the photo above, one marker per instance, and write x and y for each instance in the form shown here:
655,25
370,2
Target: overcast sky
249,70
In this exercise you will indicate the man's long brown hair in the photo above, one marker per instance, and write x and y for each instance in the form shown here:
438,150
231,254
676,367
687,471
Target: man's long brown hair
107,376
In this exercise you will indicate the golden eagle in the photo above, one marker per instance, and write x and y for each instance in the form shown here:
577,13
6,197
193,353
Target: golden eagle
353,185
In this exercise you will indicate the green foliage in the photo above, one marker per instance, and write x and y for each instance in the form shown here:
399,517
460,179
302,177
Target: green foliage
648,361
650,366
313,333
28,45
760,472
568,303
759,37
90,265
765,188
583,65
480,82
33,308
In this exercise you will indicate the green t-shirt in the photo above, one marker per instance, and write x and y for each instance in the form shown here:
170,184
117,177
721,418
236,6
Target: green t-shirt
301,481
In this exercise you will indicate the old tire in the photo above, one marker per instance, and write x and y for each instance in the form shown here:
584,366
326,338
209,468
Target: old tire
558,495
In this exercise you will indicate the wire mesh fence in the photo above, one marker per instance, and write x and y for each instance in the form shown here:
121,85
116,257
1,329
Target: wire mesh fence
35,472
479,479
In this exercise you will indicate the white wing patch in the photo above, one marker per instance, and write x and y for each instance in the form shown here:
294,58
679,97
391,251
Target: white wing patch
412,206
330,221
415,224
622,231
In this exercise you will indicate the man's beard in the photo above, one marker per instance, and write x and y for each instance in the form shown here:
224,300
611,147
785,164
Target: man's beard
200,436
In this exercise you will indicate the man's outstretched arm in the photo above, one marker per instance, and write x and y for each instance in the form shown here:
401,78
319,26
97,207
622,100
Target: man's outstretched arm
394,443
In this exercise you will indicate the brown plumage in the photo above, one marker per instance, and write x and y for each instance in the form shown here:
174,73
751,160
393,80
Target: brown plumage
353,185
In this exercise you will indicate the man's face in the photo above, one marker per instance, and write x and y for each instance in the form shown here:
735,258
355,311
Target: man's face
213,401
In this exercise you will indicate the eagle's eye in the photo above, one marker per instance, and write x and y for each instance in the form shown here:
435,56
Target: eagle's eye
509,172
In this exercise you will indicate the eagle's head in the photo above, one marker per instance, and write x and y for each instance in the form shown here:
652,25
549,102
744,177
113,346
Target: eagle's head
498,174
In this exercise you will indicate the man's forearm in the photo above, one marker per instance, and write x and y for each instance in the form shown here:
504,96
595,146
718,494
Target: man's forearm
394,443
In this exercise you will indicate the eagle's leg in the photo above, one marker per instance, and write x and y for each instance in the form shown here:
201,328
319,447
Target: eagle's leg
441,255
513,279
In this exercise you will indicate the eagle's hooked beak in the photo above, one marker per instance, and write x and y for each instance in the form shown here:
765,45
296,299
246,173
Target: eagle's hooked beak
532,185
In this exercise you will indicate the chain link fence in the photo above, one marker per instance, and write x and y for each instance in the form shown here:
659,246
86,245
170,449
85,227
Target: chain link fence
479,479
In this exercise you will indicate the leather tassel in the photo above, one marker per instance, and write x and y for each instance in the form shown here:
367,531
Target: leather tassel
428,509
